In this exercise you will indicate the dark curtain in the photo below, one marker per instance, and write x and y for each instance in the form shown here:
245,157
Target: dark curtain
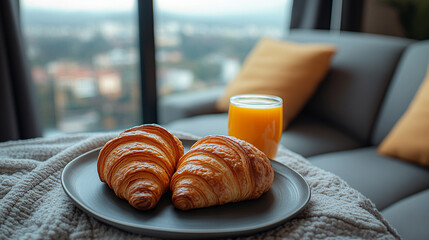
18,119
316,14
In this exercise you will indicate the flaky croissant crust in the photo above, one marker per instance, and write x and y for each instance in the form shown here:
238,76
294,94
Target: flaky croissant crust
139,163
220,169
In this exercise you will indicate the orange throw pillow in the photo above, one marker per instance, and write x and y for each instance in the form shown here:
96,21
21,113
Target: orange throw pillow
289,70
409,138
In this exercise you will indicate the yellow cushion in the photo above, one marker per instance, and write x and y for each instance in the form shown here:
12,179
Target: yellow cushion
289,70
409,138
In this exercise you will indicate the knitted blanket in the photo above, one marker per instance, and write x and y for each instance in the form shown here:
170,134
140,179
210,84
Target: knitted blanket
33,204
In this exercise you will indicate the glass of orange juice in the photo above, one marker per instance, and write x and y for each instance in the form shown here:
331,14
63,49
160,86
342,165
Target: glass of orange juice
257,119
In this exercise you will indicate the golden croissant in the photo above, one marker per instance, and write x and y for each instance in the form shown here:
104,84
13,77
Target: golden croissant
218,170
139,163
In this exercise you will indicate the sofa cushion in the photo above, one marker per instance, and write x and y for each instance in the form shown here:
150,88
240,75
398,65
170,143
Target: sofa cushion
408,77
289,70
384,180
202,125
361,69
187,104
409,138
309,136
306,136
410,216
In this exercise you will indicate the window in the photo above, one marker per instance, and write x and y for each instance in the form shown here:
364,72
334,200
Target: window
85,54
201,44
84,62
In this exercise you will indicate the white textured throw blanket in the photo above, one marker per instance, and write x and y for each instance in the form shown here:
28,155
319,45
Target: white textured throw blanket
33,204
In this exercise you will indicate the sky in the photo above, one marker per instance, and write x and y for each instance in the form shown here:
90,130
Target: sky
74,5
195,7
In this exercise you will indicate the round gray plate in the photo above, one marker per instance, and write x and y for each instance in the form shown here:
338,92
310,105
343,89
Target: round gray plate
288,195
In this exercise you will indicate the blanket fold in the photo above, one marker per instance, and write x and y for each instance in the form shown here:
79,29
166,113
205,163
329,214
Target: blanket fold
33,204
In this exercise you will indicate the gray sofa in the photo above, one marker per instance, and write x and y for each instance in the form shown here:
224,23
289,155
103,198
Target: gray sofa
371,81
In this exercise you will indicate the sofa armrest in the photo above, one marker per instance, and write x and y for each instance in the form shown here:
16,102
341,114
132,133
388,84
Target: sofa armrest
182,105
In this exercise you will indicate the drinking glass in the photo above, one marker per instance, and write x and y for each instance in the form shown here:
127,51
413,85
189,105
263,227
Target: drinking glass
257,119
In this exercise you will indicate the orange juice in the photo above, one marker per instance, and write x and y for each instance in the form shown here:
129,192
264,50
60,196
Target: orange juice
257,119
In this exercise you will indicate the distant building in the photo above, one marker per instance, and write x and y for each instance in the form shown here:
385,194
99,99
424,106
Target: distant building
39,75
175,80
229,69
75,87
109,83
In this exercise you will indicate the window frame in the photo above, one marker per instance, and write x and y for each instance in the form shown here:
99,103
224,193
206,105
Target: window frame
148,89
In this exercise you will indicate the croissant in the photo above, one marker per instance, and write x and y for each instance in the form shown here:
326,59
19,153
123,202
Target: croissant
218,170
139,163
